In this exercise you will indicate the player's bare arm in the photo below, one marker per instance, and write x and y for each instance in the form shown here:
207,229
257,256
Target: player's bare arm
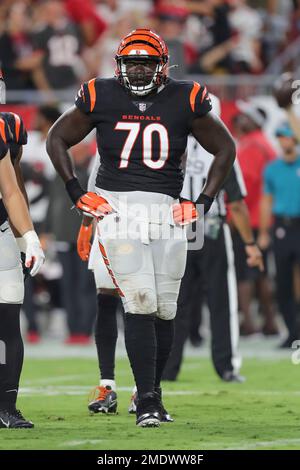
13,198
214,137
69,130
264,237
241,220
20,181
19,175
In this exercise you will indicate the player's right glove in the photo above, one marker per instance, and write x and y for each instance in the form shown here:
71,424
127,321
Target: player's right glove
89,203
184,213
92,204
84,241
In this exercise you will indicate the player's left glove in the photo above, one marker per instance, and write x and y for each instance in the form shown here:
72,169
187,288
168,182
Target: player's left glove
184,213
34,256
84,241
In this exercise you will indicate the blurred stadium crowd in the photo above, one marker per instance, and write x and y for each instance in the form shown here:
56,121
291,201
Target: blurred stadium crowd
48,47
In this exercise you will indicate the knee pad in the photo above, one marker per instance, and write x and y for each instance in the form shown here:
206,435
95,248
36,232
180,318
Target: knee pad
141,301
167,310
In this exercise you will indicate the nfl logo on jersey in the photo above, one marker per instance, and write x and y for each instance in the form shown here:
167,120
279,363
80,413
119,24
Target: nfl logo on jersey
142,107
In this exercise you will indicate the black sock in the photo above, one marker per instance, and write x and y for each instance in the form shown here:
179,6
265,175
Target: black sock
164,337
11,354
106,334
140,341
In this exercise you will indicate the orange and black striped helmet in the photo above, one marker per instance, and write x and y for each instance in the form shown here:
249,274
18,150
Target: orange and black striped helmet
142,44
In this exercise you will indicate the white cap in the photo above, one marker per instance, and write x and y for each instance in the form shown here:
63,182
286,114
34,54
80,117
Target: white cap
251,111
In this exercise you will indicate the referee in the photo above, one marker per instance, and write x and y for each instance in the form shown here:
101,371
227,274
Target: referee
213,268
281,199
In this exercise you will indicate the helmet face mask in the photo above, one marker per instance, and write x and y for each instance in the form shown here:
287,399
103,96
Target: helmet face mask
142,59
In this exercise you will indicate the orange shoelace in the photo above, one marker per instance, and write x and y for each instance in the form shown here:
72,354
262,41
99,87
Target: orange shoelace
98,393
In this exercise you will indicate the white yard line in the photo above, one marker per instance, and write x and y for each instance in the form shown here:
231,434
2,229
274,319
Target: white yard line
80,443
55,379
243,445
260,444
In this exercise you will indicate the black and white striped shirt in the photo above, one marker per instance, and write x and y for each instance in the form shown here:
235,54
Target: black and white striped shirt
197,167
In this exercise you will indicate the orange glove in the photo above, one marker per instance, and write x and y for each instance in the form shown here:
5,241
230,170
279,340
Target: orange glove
93,205
184,213
84,241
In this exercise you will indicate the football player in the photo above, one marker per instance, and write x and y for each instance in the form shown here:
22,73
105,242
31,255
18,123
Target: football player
143,119
13,206
103,398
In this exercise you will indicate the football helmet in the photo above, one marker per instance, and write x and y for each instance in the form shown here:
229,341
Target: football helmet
142,46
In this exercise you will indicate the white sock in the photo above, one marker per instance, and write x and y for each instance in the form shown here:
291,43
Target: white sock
134,390
109,383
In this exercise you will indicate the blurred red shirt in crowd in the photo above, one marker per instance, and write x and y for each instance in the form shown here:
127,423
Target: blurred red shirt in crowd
254,152
85,15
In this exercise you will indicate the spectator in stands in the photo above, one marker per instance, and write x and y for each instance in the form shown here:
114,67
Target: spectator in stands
216,39
275,28
247,24
85,15
59,43
16,49
282,200
170,24
254,152
295,21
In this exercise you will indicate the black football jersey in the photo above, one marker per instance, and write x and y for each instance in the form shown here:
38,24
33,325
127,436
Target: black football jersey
15,136
141,140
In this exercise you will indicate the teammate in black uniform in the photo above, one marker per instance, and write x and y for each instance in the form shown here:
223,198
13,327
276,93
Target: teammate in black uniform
143,119
12,136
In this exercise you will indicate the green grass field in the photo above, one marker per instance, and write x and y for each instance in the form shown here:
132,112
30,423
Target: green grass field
263,413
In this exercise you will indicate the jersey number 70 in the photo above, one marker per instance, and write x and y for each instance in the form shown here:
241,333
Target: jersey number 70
133,129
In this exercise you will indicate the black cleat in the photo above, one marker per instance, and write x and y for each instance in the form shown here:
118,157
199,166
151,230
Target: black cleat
13,419
103,400
148,410
165,417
